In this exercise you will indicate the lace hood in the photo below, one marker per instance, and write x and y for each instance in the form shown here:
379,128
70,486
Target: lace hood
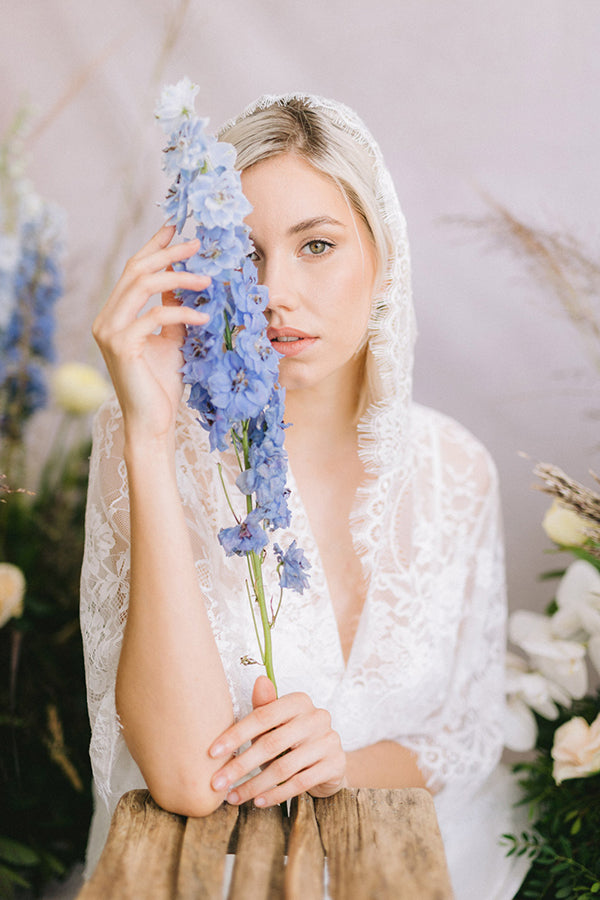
384,429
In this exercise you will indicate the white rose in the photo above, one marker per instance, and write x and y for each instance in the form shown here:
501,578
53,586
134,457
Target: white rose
576,749
12,592
78,388
563,526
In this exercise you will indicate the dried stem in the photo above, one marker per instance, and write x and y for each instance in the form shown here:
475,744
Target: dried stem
558,261
572,494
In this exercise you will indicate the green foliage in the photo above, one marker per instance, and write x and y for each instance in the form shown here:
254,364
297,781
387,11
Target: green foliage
564,840
45,778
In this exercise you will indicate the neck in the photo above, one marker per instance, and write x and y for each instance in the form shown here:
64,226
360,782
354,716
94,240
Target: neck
324,416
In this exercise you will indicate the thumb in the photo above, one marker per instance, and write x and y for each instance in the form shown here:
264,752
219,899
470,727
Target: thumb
264,692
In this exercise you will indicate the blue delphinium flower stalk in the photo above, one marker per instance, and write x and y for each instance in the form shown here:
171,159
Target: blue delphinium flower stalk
229,363
31,245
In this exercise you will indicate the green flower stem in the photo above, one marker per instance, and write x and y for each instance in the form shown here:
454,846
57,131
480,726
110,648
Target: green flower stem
259,591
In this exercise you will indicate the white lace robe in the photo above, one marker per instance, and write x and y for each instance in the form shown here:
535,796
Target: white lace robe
426,666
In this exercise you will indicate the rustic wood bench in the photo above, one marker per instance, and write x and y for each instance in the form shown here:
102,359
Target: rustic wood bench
378,844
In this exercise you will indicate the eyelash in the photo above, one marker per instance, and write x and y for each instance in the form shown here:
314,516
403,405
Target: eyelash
329,245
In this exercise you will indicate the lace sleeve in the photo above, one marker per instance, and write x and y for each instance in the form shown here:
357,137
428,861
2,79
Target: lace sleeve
105,594
461,742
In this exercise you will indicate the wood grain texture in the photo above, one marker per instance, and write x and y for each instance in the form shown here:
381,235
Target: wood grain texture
141,855
383,844
259,860
305,863
203,854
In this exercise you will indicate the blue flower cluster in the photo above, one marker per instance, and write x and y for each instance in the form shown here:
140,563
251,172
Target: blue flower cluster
30,283
229,362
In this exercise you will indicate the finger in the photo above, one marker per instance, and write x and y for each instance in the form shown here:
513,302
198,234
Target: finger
261,720
263,692
129,340
147,262
321,764
120,311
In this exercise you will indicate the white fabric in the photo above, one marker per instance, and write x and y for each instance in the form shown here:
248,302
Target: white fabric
426,667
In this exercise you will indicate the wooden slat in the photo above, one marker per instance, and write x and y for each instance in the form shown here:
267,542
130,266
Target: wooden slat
141,855
305,864
203,854
258,868
383,844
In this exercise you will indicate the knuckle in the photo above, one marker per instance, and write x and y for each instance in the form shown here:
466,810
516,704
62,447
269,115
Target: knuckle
270,744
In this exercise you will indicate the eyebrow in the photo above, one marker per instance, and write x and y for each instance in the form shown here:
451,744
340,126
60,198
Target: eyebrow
315,222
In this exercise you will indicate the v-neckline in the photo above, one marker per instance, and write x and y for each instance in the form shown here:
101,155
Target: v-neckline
314,556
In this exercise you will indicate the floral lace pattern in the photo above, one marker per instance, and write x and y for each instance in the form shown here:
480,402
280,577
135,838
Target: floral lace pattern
426,665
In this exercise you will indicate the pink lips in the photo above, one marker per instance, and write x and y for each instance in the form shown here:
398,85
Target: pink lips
289,341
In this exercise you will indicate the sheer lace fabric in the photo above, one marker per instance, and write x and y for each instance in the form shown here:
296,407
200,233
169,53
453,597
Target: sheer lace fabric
426,665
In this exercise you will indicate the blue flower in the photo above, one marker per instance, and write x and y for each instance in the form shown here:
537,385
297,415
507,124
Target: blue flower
293,566
244,538
217,201
176,104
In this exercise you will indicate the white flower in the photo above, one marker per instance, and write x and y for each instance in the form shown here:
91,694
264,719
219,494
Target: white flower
176,103
563,662
564,526
12,592
527,691
576,749
578,600
78,388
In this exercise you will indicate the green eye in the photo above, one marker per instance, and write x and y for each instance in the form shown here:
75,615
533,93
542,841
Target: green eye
318,248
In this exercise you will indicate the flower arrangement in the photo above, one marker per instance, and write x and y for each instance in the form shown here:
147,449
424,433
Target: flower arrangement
229,363
44,731
550,710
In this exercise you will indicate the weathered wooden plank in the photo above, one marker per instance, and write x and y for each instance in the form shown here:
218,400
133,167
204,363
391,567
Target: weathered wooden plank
259,859
141,855
203,854
305,863
383,844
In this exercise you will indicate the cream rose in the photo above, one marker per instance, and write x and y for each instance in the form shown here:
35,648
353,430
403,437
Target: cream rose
78,388
563,526
12,592
576,749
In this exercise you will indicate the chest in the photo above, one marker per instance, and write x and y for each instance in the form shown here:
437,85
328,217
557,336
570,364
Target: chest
328,498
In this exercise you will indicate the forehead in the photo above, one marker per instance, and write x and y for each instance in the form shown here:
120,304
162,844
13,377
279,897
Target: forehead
288,189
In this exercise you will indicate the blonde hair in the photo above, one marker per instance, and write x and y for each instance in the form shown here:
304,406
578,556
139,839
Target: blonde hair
296,125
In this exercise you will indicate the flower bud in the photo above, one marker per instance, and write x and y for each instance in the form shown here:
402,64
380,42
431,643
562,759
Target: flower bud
79,389
563,526
576,749
12,592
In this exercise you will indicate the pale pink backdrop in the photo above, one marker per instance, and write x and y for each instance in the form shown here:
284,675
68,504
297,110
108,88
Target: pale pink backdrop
474,95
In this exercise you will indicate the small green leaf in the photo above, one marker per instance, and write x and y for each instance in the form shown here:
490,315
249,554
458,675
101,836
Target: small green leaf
17,854
595,888
576,826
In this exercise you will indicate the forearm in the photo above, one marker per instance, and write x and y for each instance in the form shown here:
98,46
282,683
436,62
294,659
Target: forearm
384,765
172,696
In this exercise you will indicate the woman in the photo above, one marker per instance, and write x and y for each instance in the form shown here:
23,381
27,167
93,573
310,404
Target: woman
390,666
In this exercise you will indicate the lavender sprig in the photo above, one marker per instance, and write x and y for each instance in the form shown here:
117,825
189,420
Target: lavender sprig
229,362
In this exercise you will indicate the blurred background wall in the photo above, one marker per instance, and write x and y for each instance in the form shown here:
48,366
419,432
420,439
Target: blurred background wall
466,98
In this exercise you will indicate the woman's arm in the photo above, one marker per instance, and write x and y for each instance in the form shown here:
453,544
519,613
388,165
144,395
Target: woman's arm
171,693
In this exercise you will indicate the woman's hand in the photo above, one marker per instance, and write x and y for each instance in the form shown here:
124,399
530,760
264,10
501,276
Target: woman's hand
144,366
293,743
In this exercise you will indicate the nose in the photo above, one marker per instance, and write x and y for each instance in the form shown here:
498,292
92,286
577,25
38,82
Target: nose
278,276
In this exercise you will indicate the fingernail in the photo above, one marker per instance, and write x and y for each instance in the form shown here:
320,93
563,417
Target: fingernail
219,783
217,750
233,797
260,801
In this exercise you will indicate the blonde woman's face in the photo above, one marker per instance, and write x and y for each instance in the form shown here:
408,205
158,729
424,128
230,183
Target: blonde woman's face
317,258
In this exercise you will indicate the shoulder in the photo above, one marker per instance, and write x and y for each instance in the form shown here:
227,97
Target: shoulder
455,450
